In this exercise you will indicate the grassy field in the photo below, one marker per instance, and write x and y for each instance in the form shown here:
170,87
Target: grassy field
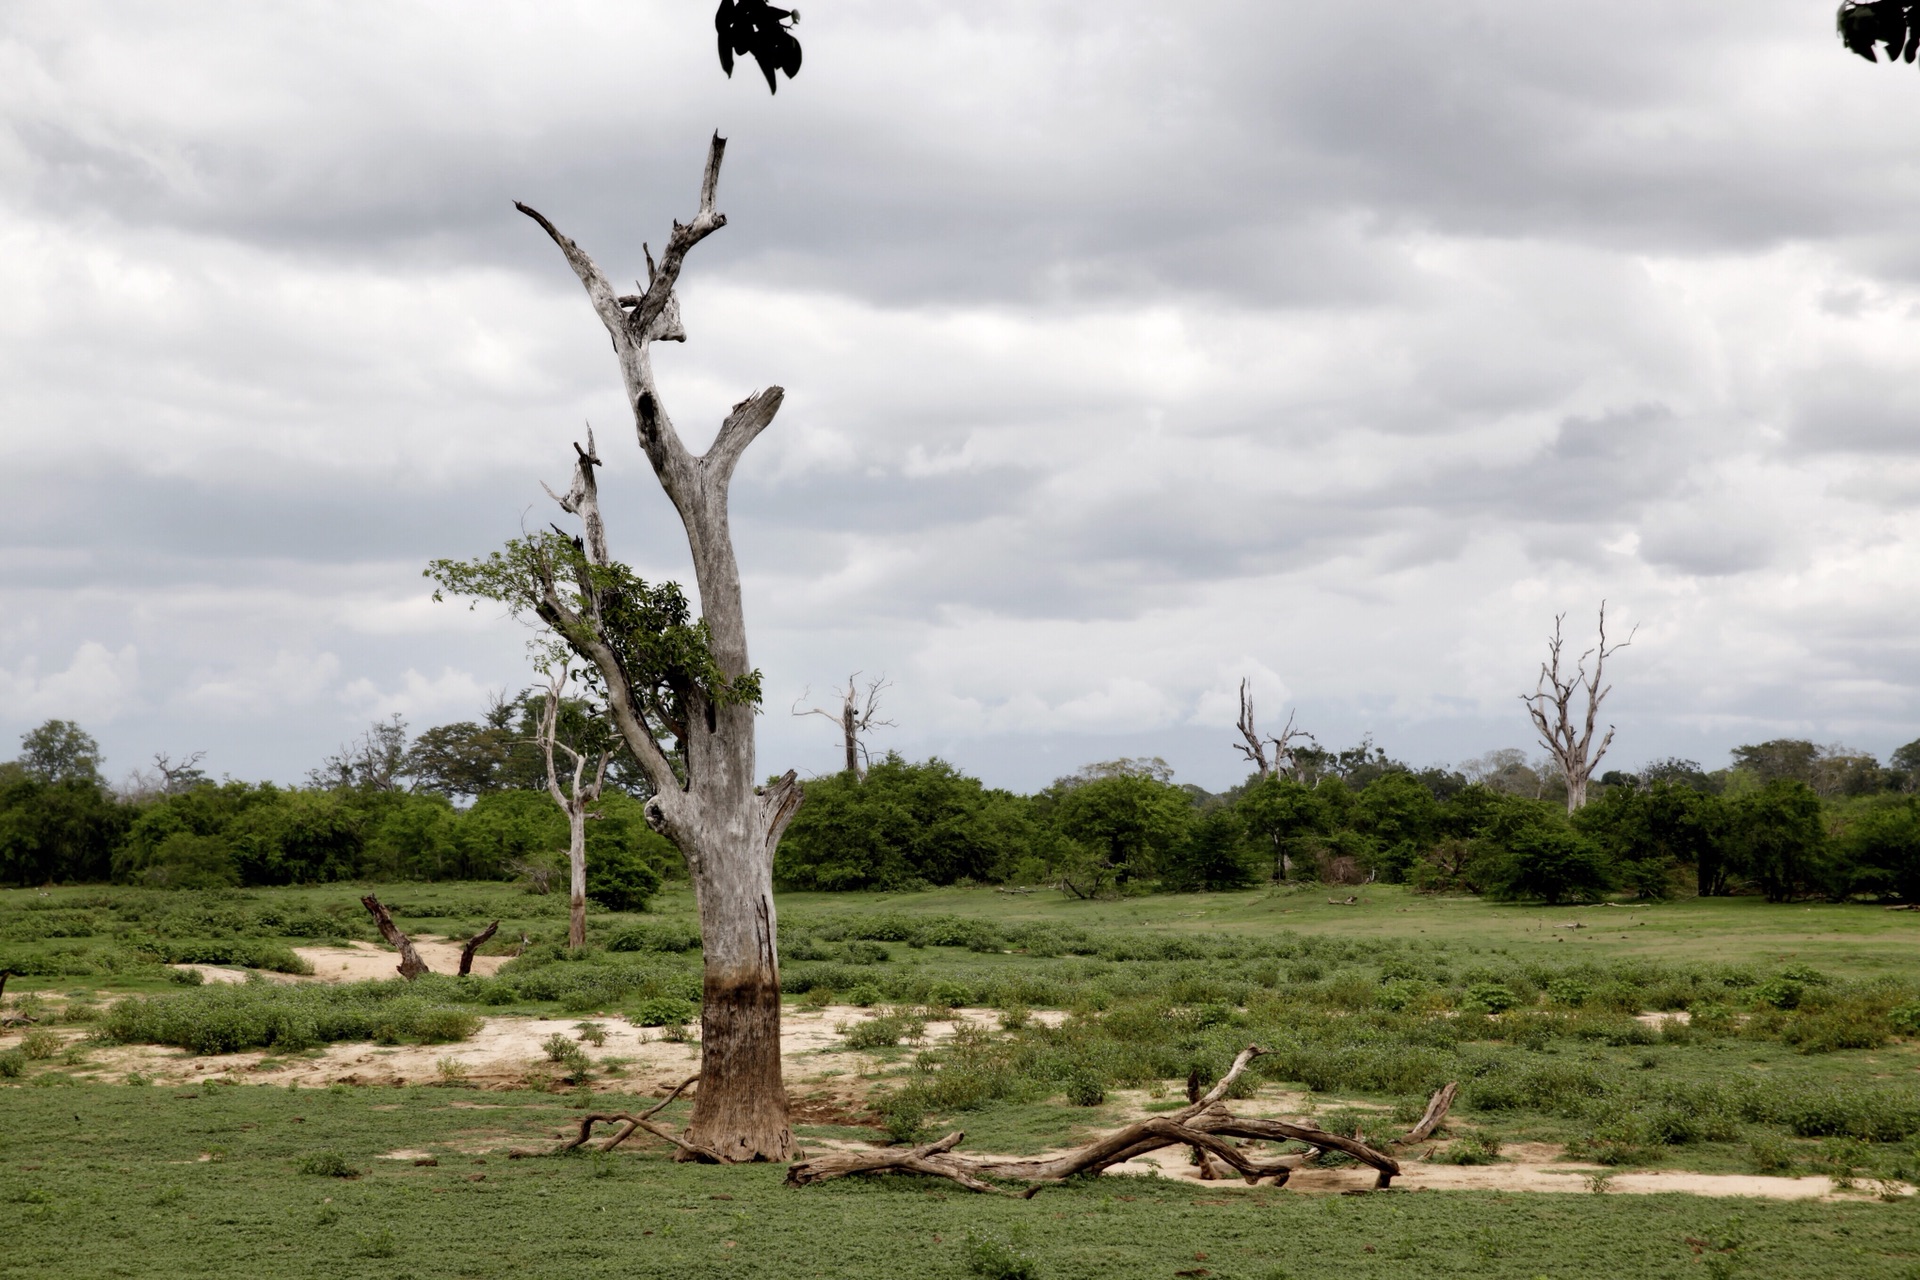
1798,1058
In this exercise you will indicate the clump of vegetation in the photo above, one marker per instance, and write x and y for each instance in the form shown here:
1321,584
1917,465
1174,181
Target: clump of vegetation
328,1164
884,1031
229,1019
39,1044
662,1011
993,1257
1469,1150
592,1033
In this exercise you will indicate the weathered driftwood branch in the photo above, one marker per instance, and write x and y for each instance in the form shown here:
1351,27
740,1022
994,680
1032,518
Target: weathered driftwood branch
1437,1108
633,1124
411,965
1204,1124
474,944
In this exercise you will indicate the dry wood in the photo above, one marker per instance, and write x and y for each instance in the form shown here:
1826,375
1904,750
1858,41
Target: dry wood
474,944
1437,1108
578,797
632,1124
713,806
857,716
1254,745
1550,706
411,965
1205,1125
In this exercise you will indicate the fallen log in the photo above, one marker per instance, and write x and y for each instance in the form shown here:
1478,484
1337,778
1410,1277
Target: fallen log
411,965
473,944
1204,1125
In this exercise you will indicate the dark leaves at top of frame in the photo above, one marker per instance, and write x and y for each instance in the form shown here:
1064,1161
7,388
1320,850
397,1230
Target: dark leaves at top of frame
756,27
1894,24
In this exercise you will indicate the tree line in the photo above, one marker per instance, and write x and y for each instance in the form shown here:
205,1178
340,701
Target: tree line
1786,819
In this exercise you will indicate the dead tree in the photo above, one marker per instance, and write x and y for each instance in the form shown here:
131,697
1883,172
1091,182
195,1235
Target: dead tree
1568,737
576,800
411,965
711,805
859,714
1254,746
473,945
1205,1125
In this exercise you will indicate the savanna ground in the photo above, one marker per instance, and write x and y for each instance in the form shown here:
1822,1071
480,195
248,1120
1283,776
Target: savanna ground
272,1122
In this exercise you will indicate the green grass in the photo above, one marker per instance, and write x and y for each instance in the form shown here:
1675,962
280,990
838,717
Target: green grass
127,1189
1801,1061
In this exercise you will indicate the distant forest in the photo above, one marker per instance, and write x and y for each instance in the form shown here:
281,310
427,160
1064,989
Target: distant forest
1786,819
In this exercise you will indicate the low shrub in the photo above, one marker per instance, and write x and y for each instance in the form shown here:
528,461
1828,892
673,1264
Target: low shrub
40,1044
327,1164
228,1019
662,1011
1473,1149
991,1257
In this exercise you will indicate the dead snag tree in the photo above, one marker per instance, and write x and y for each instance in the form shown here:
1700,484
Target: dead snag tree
411,965
1566,733
1254,747
576,800
473,945
665,675
859,714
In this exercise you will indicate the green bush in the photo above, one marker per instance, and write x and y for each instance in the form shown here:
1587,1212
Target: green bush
39,1044
328,1164
990,1257
662,1011
1472,1149
1494,997
13,1064
228,1019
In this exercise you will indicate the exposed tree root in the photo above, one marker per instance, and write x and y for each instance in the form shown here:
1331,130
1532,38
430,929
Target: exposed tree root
1205,1125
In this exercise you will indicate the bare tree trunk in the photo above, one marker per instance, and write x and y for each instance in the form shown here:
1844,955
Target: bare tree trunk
1567,736
724,823
411,965
474,944
576,800
577,885
858,714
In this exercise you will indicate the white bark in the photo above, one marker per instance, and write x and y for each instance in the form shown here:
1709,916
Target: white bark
576,800
1566,734
723,822
857,716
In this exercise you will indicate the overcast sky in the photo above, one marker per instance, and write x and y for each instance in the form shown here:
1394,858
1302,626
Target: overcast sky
1129,350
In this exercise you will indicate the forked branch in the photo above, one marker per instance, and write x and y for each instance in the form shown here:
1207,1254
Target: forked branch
1566,733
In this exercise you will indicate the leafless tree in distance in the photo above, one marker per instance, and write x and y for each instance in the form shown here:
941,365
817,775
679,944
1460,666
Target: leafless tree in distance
576,799
859,714
712,805
1565,733
1254,746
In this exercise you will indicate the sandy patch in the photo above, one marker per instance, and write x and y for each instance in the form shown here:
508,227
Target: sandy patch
506,1051
1517,1176
370,962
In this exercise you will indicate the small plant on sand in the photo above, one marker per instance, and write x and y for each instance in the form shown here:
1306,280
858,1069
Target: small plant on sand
1472,1149
40,1044
817,998
592,1033
452,1071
